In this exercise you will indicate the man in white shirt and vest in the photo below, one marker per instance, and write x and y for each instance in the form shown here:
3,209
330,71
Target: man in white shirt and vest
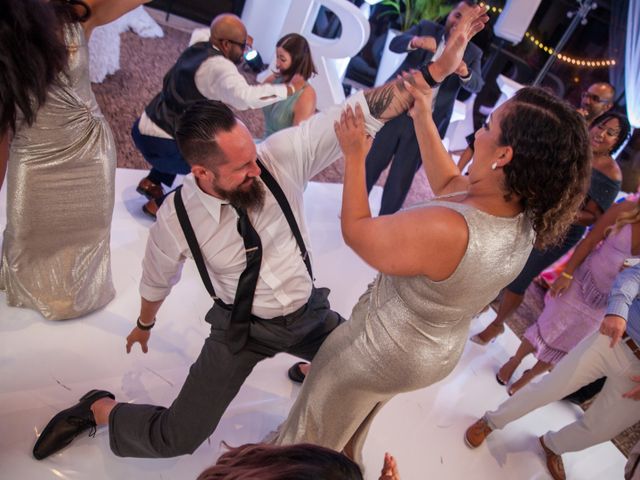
205,70
239,214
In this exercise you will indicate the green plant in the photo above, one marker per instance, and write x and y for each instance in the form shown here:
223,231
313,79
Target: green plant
412,12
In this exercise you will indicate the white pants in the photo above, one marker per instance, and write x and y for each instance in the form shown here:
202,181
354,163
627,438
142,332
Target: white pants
608,415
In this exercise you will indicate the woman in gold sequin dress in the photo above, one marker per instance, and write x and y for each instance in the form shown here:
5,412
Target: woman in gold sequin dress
61,159
441,262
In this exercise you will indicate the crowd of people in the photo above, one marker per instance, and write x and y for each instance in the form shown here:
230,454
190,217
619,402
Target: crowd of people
542,172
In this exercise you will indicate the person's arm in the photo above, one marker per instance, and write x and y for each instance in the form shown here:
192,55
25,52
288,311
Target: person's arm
305,106
421,241
443,174
161,269
588,214
4,155
587,245
412,39
219,79
106,11
473,81
626,288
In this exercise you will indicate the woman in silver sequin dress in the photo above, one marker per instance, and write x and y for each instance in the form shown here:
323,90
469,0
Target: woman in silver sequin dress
441,262
61,159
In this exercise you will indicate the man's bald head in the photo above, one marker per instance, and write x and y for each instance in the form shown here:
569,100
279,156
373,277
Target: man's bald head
229,35
597,99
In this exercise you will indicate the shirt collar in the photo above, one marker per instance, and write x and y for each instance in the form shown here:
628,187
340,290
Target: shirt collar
212,204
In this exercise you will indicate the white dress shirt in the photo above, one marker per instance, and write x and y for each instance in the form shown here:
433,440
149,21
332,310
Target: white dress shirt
218,78
293,156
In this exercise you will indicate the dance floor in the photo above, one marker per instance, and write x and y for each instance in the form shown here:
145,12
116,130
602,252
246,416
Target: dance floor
46,366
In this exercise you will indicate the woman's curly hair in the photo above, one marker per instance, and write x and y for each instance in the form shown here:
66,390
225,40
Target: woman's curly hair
551,164
32,53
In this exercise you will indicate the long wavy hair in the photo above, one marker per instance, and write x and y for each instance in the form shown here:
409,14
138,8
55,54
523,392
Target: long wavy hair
301,61
32,53
551,164
291,462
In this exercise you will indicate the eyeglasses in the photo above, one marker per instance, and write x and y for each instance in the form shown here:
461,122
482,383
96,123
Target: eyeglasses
242,45
594,98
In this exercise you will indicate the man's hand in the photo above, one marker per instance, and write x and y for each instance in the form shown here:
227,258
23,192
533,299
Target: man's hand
462,70
425,43
634,393
472,22
613,326
138,336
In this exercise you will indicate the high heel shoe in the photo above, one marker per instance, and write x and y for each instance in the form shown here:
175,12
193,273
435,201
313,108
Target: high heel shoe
521,382
506,371
492,331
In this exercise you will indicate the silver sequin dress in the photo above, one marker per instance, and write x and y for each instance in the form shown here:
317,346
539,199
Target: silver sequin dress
60,194
405,333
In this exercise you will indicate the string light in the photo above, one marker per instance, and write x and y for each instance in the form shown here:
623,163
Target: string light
550,51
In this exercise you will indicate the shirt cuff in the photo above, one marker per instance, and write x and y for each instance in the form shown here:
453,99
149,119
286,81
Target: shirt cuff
466,79
372,124
618,306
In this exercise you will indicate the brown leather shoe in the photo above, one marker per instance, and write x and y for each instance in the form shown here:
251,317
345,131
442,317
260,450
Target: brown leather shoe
151,208
476,433
149,189
554,462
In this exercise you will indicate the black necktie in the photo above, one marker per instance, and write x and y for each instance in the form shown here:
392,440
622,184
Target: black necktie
241,313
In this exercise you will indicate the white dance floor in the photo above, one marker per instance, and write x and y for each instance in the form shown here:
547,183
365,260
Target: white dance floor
46,366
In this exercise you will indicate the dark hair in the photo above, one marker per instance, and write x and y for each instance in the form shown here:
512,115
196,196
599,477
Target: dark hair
197,128
301,61
292,462
33,53
551,163
625,127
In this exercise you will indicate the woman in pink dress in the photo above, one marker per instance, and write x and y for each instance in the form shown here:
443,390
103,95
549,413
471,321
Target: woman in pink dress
577,299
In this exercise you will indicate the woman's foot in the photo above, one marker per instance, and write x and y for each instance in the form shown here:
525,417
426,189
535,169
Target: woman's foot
526,377
506,371
492,331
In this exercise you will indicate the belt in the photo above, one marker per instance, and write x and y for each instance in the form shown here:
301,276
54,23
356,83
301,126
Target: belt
631,344
281,320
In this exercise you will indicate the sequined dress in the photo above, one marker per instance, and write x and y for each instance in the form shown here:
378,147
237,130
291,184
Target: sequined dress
405,333
60,195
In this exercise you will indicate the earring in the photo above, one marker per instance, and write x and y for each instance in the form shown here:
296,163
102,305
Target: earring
494,165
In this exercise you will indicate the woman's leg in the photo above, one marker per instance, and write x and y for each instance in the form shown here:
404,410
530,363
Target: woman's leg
506,371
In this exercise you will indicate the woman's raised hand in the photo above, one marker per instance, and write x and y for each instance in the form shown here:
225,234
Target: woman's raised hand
352,136
421,92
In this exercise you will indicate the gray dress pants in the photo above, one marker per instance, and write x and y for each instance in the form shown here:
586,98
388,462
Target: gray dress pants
214,380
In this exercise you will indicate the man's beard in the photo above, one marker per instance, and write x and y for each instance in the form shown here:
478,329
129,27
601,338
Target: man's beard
253,198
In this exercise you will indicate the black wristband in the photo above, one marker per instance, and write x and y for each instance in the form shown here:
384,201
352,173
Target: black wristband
428,78
145,327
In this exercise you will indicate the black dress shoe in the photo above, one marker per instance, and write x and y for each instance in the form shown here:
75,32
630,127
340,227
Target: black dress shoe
68,424
295,374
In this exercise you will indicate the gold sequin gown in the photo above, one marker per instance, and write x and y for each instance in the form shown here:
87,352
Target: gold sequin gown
405,333
60,194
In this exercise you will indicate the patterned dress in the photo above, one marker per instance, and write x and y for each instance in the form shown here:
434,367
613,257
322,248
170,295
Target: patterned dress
60,195
578,312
